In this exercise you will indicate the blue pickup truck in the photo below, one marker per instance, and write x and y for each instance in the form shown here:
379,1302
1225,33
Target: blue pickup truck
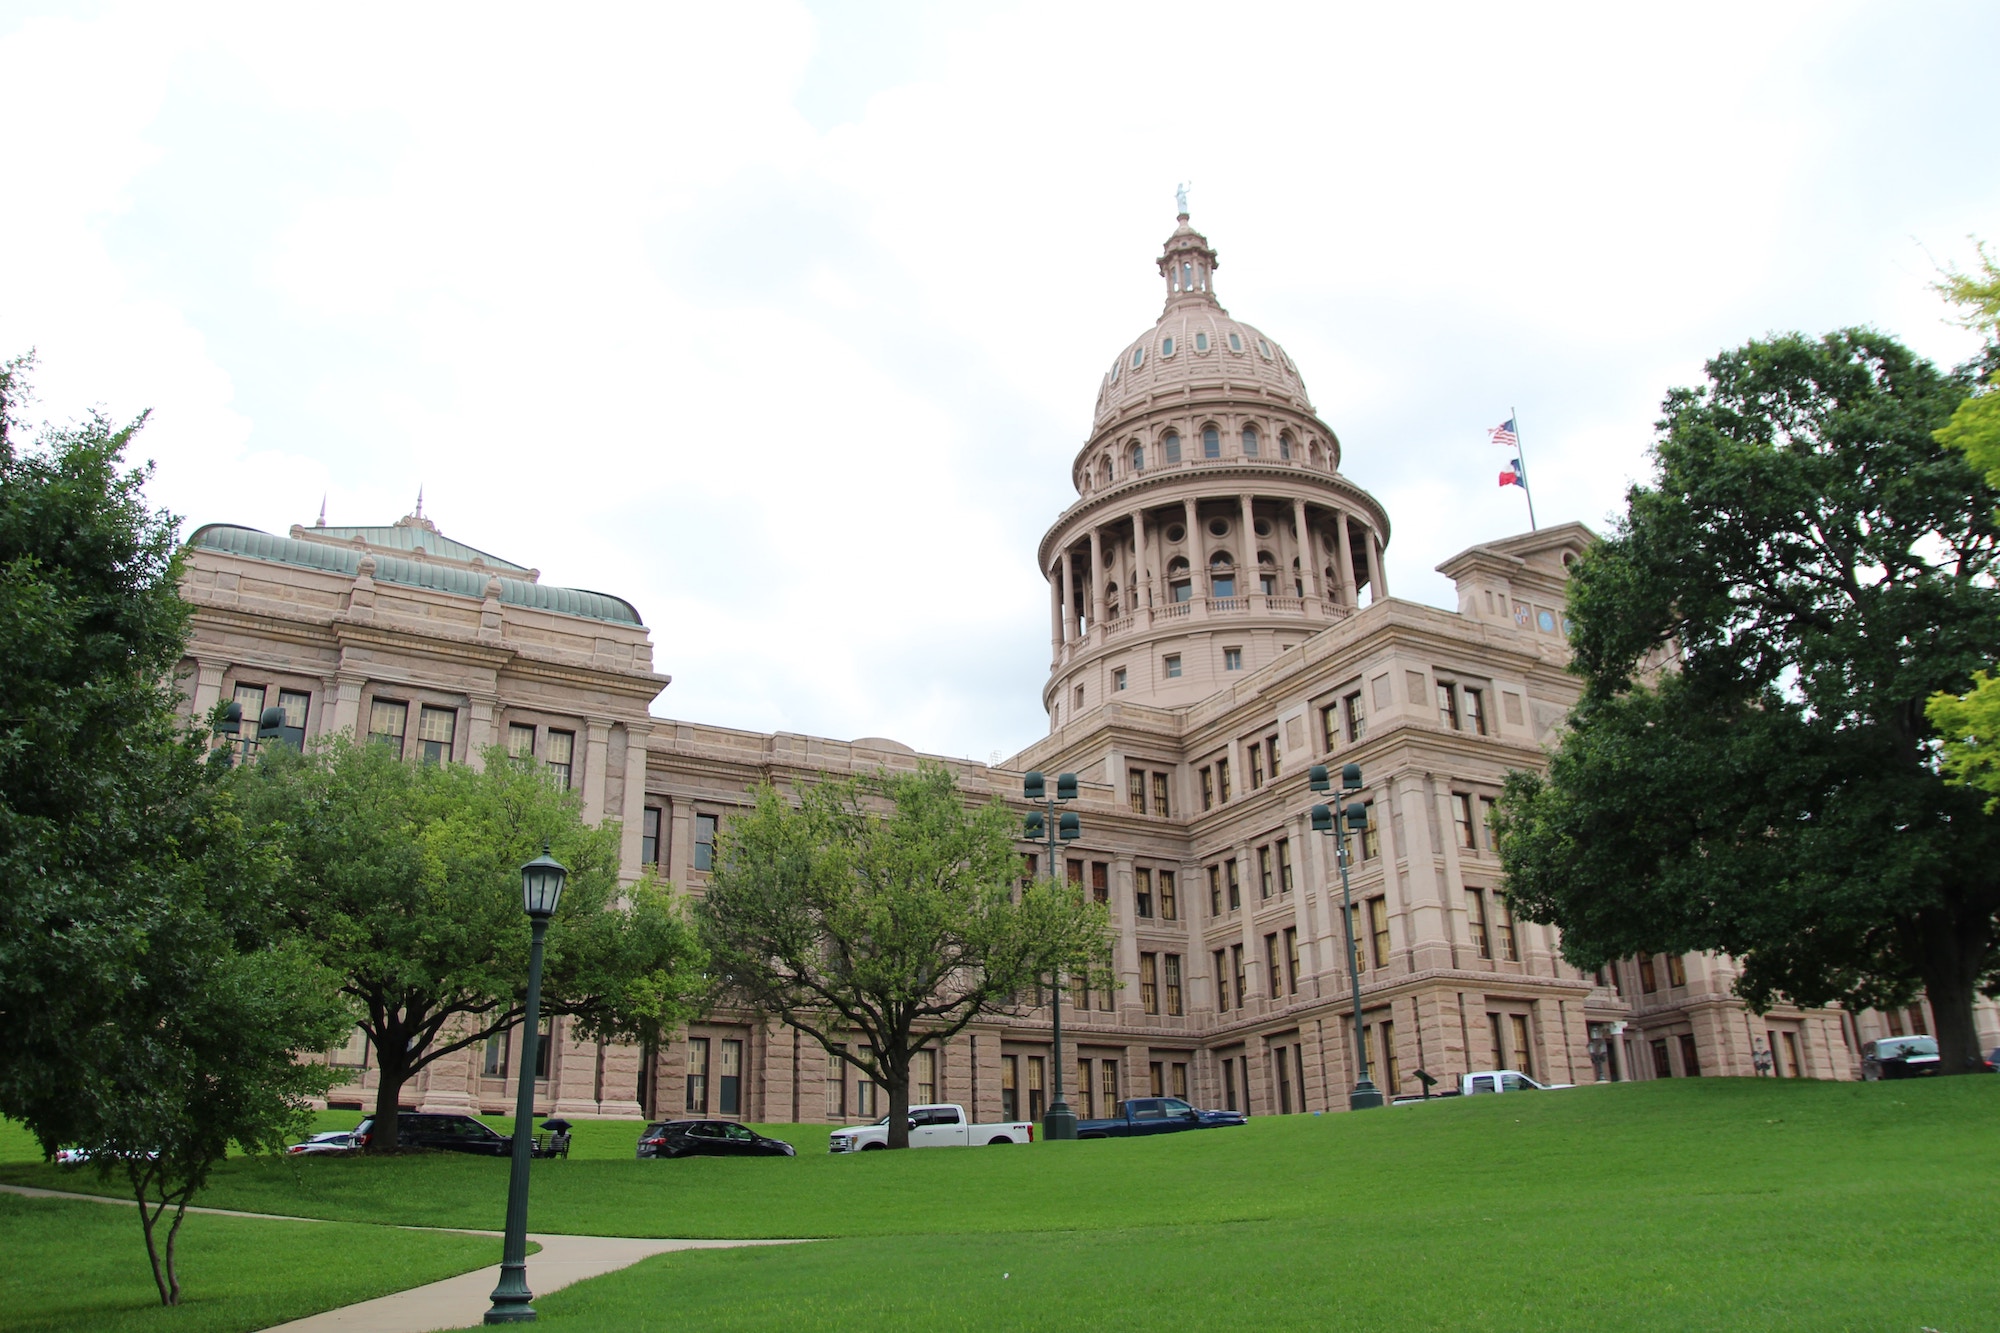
1155,1115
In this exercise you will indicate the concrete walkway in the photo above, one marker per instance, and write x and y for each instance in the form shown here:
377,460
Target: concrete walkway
456,1302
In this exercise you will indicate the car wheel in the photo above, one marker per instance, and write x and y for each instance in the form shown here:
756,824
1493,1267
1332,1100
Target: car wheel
873,1147
996,1142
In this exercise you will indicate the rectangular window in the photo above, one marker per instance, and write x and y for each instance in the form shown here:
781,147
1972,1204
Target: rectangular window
1221,983
1493,1031
697,1080
1100,881
1236,972
1282,1071
295,703
1329,728
1235,889
1142,892
1170,904
704,842
562,756
1357,720
1215,890
1392,1071
1079,993
1662,1068
1160,806
520,741
1174,659
249,700
1156,1079
1475,710
1256,765
1371,838
1180,1083
1524,1060
435,729
1357,963
1273,971
649,836
730,1100
1208,788
1264,879
1010,1084
1461,818
836,1086
1503,929
1149,983
1037,1070
924,1075
1232,658
1378,928
1173,970
1447,705
1284,865
1291,960
1079,701
1271,749
1690,1063
1118,679
1107,1085
867,1092
1677,973
1649,979
1135,789
545,1044
1488,808
1229,1085
495,1065
1475,922
388,722
1222,781
1086,1092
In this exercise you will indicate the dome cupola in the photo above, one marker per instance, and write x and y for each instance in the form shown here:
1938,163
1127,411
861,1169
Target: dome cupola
1188,264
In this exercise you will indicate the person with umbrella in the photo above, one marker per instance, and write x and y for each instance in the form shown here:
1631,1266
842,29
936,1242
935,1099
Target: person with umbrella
558,1137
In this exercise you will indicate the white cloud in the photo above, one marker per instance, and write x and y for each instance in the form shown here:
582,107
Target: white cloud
785,322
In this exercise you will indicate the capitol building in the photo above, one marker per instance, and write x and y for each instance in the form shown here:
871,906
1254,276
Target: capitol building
1219,621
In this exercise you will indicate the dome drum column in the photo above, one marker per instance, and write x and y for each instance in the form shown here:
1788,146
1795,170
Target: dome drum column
1343,558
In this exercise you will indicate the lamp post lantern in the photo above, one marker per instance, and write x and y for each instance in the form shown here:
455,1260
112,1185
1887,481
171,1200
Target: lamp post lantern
1060,1121
1354,815
541,889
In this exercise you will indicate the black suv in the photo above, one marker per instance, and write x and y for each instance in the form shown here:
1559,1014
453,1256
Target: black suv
1899,1057
708,1138
444,1133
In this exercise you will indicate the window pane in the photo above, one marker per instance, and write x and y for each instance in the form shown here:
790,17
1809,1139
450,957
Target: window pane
435,728
295,703
387,722
562,756
520,741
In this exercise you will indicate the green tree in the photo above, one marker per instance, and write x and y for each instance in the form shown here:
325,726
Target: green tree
1750,768
1975,426
405,879
898,927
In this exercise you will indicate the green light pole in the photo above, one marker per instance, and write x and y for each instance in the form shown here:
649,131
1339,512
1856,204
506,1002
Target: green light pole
541,889
1060,1121
1354,815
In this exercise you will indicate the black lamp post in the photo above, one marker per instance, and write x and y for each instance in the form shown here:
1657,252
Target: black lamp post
541,889
1355,816
1060,1121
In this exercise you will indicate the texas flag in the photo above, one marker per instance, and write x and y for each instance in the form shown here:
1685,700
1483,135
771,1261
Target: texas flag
1512,476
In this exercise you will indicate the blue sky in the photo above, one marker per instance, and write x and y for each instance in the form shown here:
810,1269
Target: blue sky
784,321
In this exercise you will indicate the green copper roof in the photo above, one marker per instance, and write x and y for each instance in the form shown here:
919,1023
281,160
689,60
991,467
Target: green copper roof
407,537
255,545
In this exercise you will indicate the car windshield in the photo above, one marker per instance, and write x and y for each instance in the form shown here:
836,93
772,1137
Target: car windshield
1901,1046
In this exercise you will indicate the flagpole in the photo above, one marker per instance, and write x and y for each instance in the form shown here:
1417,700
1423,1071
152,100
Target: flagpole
1522,454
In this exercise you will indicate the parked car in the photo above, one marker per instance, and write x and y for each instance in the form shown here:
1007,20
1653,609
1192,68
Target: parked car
1899,1057
1484,1081
708,1138
943,1125
1155,1115
333,1141
443,1133
80,1156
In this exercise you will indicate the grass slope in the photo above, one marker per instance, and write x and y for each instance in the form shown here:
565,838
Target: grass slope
75,1265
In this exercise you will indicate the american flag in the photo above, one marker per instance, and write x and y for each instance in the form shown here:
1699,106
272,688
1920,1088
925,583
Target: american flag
1503,434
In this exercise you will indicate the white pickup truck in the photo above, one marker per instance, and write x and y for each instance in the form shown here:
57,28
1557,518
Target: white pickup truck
943,1126
1487,1080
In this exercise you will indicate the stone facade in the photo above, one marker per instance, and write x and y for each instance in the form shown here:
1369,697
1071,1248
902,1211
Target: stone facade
1219,622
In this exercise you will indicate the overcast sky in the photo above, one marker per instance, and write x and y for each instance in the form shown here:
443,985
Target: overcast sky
784,321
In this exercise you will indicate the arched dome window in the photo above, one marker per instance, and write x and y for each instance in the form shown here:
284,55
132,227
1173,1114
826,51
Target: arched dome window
1201,342
1138,457
1235,341
1266,558
1221,575
1249,441
1180,587
1312,453
1171,444
1104,470
1263,349
1211,442
1166,347
1220,559
1138,357
1284,444
1111,598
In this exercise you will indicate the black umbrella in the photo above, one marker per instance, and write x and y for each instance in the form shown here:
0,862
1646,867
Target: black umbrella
556,1126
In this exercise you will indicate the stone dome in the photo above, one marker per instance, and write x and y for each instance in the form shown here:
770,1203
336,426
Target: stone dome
1195,346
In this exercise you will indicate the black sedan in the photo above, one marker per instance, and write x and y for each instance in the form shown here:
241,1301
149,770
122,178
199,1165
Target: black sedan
708,1138
444,1133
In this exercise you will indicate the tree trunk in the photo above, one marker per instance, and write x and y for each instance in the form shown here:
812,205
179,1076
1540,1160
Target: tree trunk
899,1105
174,1234
388,1104
1951,965
141,1180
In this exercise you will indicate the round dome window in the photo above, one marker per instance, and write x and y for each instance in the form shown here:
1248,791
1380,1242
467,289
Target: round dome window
1176,533
1218,527
1263,527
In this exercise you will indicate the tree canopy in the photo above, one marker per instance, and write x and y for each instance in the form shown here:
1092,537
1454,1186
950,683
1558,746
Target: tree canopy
405,879
1750,768
881,932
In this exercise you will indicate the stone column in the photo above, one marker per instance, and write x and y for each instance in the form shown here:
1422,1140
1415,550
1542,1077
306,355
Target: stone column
208,684
1197,552
1096,599
1068,600
1309,574
1378,582
596,747
634,813
1142,568
1343,561
1249,556
1055,613
347,703
621,1069
572,1081
479,734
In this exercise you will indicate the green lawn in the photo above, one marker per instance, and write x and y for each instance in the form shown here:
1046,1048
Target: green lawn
1698,1204
82,1266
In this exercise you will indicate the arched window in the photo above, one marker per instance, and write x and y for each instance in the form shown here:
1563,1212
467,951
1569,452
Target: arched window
1235,341
1201,342
1266,558
1179,587
1263,349
1249,441
1177,567
1138,457
1171,444
1138,357
1312,453
1166,347
1221,575
1284,444
1211,442
1111,598
1221,558
1187,277
1104,470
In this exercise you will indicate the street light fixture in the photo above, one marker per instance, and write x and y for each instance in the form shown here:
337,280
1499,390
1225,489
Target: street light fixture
1060,1121
270,726
542,882
1354,815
